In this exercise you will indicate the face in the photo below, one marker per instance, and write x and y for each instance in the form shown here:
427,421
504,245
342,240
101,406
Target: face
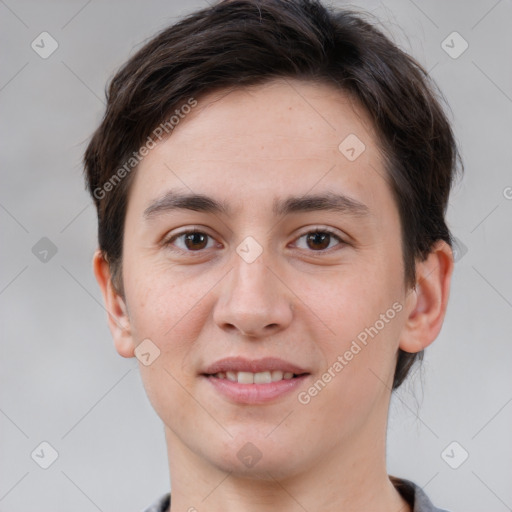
290,262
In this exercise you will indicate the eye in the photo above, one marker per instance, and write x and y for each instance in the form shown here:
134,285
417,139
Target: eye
190,241
320,240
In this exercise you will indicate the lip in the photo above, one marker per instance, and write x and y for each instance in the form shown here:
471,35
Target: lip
241,364
255,393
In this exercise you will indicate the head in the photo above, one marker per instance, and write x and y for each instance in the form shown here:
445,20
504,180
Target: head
251,106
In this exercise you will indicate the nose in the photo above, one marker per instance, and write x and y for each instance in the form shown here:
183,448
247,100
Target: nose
254,301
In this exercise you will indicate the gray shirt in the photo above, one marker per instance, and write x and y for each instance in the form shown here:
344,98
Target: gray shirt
413,494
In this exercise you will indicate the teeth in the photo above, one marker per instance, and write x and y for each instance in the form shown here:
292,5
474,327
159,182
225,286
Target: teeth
277,375
262,378
246,378
255,378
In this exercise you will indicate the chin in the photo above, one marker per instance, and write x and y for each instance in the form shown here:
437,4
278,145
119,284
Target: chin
256,457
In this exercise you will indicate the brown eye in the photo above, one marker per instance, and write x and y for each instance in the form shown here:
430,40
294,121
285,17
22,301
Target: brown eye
319,240
190,241
195,241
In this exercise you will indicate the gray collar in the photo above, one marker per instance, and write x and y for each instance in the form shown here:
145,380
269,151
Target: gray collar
411,492
414,495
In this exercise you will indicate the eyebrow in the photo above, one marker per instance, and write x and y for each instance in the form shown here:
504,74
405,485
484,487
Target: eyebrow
328,201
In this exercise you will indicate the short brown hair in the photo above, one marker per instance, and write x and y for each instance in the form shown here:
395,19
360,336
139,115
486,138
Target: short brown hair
237,43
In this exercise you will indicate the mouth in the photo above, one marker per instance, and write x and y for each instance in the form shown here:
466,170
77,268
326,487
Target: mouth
264,377
277,368
244,381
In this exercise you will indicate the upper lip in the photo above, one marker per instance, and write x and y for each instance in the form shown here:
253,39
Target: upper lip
241,364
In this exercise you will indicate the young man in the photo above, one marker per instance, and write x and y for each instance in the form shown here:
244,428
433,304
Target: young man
271,179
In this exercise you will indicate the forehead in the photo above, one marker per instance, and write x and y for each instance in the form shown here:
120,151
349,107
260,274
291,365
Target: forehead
262,142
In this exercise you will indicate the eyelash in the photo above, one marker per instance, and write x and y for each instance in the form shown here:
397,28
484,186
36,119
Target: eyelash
169,243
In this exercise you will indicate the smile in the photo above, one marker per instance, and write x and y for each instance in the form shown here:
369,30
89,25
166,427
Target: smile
265,377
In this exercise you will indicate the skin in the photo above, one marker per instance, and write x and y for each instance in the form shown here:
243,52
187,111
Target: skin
298,301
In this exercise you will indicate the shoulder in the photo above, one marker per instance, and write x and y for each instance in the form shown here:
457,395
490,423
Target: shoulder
414,495
160,505
409,490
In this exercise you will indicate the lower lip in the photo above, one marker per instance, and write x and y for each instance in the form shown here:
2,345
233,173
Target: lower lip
255,393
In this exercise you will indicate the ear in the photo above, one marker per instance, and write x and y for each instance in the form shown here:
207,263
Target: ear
426,303
118,319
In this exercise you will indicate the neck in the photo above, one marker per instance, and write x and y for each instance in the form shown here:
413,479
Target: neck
345,479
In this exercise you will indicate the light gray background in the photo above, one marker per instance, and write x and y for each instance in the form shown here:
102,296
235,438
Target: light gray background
61,379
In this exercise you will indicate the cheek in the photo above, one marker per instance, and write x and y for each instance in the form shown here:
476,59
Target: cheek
357,376
161,305
364,312
350,300
163,311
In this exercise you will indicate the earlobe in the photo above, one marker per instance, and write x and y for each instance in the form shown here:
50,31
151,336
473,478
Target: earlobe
118,318
427,302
